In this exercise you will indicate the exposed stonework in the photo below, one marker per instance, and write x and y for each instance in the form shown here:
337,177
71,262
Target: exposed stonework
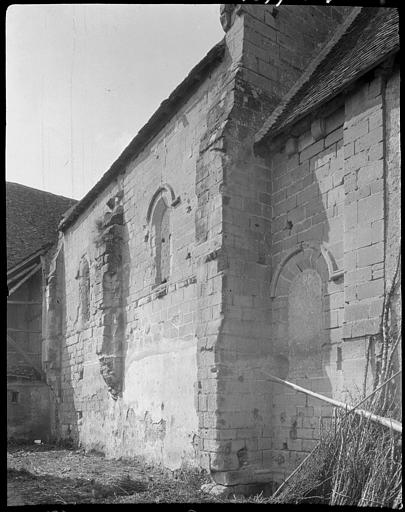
233,392
55,305
108,295
211,266
330,191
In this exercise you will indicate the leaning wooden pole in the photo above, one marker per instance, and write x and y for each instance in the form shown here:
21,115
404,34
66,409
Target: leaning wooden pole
353,409
387,422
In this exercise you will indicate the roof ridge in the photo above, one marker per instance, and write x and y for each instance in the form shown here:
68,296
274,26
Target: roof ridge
340,32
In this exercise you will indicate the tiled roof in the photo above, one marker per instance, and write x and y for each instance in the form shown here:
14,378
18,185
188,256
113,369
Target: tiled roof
32,218
366,38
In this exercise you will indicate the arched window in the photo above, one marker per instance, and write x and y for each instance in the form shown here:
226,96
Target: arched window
161,240
84,290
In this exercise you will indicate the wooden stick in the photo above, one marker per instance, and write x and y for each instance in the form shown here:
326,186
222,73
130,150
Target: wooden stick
295,471
387,422
375,391
33,271
21,274
30,302
317,446
18,376
29,259
393,349
12,329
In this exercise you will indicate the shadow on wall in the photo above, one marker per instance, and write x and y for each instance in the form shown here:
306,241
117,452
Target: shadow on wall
306,287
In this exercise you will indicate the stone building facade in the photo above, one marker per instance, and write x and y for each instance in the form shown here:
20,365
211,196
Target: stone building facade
248,229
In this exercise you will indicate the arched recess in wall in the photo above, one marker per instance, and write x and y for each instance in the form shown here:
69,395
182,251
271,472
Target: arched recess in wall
84,290
301,309
159,227
316,249
165,191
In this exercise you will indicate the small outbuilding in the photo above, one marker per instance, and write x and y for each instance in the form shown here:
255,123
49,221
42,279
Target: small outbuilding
32,221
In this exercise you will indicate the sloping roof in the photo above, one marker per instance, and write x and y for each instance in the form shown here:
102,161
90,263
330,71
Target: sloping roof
32,218
158,120
366,38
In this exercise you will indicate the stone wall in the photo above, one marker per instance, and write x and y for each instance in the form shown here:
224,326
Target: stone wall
364,225
307,260
279,42
129,371
210,267
116,365
332,245
393,204
237,426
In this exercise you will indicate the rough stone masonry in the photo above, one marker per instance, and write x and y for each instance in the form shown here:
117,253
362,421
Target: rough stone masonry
211,253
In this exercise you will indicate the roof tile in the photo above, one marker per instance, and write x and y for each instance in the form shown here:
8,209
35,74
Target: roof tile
32,218
368,39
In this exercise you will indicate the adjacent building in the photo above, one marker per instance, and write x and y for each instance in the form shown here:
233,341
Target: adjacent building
32,218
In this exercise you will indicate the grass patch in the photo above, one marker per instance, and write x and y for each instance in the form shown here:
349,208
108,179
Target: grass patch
47,474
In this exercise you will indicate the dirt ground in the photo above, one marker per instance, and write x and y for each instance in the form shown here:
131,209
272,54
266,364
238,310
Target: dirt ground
43,474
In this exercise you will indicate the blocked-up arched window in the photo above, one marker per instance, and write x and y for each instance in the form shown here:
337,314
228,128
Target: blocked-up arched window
305,323
161,240
84,289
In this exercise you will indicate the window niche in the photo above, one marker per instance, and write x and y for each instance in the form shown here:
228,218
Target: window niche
84,290
159,237
108,291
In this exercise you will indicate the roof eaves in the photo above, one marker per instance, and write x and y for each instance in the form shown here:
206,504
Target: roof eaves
158,120
332,94
264,132
28,259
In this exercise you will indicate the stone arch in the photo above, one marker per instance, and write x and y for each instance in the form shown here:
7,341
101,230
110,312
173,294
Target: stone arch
300,268
164,191
301,339
158,217
310,252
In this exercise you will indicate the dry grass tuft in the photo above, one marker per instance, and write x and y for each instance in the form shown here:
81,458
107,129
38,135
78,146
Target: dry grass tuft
357,463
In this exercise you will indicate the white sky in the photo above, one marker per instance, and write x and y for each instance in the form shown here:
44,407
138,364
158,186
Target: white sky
81,80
